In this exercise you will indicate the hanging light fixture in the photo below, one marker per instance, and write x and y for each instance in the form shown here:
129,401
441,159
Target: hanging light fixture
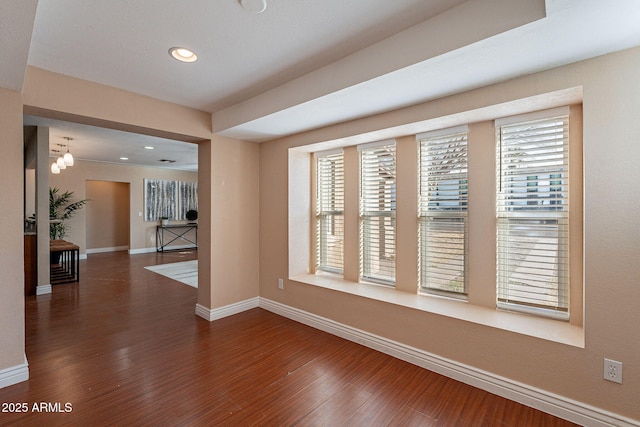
63,160
57,164
68,157
54,166
60,163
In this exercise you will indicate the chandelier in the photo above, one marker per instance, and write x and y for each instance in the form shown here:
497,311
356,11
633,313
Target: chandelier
62,161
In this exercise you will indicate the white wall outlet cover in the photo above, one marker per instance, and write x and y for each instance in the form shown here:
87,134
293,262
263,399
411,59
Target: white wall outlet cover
254,6
613,371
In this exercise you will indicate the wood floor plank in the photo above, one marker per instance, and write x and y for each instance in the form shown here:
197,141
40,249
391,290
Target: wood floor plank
409,417
124,347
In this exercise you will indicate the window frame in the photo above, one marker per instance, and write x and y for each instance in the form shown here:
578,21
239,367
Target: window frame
543,220
386,200
335,214
429,144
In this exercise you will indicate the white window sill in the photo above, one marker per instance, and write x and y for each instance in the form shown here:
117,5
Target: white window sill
546,329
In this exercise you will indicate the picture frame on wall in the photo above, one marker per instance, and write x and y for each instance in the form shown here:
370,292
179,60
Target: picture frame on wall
169,199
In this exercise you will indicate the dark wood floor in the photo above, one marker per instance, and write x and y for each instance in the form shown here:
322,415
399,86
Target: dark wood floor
124,347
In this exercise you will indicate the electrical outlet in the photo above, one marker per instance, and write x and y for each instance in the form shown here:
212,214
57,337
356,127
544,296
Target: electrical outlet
613,371
280,284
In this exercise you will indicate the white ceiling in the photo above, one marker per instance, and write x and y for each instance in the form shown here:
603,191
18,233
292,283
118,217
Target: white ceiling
108,145
304,64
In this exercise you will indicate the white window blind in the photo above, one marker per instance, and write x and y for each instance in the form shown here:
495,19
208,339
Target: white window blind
443,212
378,212
533,216
330,212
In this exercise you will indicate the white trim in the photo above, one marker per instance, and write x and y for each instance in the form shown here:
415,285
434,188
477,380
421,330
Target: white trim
142,251
14,374
83,256
43,290
328,152
110,249
548,402
533,326
212,314
376,144
536,115
442,132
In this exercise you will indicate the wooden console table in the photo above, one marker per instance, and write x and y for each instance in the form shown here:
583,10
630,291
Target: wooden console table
176,232
65,262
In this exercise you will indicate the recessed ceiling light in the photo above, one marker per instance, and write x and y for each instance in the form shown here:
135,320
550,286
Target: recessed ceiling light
124,158
254,6
148,147
182,54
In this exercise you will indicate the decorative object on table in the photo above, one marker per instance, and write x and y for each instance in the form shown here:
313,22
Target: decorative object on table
191,215
164,221
61,209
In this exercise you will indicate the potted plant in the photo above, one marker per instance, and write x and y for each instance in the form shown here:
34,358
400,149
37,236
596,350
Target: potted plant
61,209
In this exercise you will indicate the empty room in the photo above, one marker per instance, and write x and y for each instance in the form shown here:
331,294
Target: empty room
393,213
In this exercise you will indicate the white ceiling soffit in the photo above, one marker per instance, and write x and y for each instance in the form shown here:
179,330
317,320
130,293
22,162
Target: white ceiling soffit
464,25
16,27
572,31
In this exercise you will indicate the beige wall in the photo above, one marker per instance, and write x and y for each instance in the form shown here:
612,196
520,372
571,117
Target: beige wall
141,234
107,214
11,230
611,316
57,96
229,212
234,205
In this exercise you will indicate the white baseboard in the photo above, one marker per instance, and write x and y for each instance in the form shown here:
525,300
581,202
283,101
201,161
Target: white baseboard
168,248
111,249
83,256
227,310
15,374
141,251
545,401
43,290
